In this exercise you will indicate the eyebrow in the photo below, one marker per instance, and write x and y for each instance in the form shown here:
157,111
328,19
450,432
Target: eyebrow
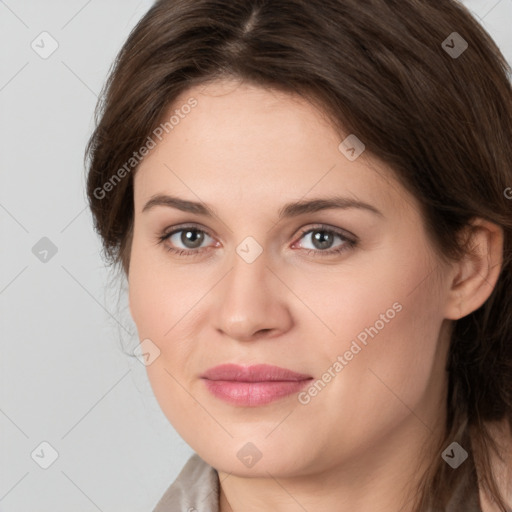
288,210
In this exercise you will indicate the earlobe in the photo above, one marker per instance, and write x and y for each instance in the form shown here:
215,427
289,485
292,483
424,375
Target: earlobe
476,274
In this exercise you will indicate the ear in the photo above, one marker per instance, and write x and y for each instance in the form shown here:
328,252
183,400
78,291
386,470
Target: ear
475,275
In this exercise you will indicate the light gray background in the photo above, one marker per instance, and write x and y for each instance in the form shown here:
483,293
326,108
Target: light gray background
64,377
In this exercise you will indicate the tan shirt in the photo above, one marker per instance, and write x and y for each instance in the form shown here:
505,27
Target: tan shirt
196,489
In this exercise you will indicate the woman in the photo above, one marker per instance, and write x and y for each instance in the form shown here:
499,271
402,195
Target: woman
311,203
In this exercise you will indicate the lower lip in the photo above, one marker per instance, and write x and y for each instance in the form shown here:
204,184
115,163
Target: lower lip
252,394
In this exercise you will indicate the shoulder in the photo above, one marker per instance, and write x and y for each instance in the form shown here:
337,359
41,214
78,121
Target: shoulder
195,488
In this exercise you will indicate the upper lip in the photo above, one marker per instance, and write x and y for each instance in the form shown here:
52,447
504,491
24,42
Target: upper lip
254,373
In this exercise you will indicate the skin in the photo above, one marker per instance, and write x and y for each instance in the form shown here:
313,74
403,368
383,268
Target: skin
357,445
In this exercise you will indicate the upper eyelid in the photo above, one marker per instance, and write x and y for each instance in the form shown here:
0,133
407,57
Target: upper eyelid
177,229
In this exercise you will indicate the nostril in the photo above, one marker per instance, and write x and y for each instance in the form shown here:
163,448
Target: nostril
264,331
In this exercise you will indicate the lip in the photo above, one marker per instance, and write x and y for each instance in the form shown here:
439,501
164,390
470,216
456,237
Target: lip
251,386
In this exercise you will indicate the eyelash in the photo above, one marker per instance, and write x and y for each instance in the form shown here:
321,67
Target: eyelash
347,245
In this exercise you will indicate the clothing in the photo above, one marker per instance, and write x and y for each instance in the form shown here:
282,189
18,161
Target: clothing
196,489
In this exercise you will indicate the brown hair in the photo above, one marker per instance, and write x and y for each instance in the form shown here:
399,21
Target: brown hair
378,69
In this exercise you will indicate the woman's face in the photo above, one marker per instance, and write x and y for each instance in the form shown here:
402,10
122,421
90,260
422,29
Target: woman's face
352,297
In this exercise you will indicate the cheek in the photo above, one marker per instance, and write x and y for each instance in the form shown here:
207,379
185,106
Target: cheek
165,306
392,320
158,295
392,362
161,305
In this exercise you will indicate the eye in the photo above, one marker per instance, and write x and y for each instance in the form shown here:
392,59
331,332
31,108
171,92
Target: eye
190,240
322,239
190,237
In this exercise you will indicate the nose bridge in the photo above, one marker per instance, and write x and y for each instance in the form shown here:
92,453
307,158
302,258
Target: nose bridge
250,299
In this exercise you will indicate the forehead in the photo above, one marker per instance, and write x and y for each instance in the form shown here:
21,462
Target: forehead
244,141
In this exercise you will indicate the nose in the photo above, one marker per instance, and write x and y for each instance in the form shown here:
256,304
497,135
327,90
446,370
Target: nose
252,303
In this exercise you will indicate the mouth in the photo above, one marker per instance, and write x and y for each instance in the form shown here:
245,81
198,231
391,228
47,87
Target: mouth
251,386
